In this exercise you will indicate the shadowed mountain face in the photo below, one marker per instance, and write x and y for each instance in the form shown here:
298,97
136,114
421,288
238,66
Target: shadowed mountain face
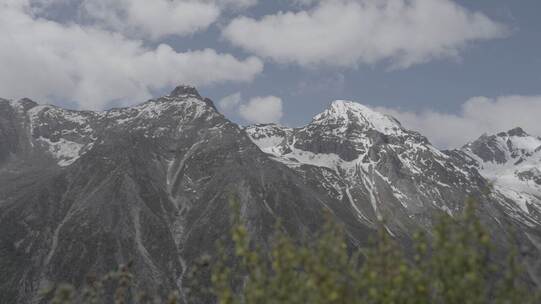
81,192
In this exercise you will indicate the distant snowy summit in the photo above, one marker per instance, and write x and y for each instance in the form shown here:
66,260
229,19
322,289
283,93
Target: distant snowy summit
344,114
511,162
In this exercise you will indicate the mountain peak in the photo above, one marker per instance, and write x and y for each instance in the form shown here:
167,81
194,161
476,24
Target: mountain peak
183,90
191,91
346,113
504,146
518,131
345,105
22,104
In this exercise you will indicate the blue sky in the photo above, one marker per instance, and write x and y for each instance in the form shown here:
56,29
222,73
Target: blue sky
450,69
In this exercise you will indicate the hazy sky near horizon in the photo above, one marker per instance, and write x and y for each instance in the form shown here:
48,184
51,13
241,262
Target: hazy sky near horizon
451,69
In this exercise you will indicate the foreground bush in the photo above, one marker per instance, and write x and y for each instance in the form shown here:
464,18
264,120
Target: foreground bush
455,265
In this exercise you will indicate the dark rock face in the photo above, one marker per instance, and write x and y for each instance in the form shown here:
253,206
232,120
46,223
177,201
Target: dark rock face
8,135
519,132
81,192
488,150
533,174
184,90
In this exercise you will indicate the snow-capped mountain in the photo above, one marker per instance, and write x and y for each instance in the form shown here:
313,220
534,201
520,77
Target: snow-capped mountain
66,135
81,191
511,162
369,161
362,156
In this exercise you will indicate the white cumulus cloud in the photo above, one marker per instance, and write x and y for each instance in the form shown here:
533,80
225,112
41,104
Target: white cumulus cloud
259,109
157,18
235,3
478,115
346,33
262,110
230,103
91,67
153,19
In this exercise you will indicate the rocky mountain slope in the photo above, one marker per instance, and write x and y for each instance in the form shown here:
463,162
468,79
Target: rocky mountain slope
81,192
383,171
370,155
511,162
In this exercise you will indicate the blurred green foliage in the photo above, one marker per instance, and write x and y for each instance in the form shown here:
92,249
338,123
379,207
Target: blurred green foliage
454,265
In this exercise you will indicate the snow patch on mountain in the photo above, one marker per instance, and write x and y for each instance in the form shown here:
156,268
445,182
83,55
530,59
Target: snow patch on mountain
17,105
188,108
65,151
68,134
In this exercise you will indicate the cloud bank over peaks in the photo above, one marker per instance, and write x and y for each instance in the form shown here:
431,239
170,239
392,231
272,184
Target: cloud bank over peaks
349,33
262,110
257,110
157,18
477,116
153,19
92,67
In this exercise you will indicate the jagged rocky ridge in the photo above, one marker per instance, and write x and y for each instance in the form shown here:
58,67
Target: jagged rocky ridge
81,192
372,155
511,162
